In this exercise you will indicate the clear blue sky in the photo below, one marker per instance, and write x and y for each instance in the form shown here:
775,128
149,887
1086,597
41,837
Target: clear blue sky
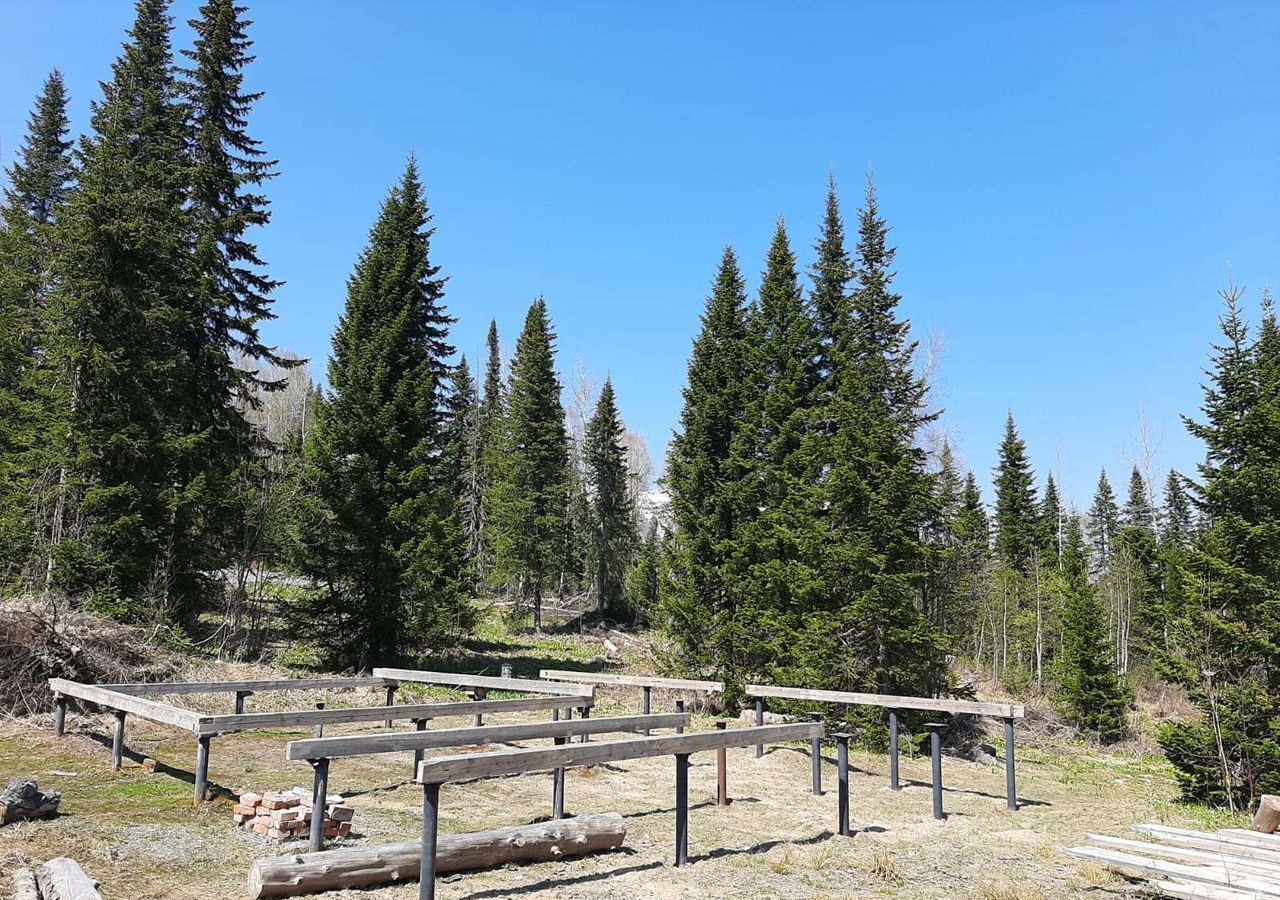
1068,182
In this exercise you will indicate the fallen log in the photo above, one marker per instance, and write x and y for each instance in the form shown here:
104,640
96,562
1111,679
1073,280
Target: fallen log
1267,818
63,879
24,885
351,867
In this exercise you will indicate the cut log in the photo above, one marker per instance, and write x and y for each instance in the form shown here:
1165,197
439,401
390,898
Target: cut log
352,867
22,799
63,879
24,885
1267,818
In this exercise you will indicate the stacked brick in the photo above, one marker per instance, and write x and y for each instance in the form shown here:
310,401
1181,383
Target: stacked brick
286,815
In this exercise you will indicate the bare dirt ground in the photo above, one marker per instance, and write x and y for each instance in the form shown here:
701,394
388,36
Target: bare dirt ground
140,835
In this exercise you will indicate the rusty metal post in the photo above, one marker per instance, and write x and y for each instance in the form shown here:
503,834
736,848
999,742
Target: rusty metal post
722,765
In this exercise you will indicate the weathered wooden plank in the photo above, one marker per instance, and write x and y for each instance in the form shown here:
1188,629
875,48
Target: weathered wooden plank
460,767
488,682
1227,861
1253,837
1200,891
649,681
299,717
890,701
360,744
1127,862
218,687
1206,840
138,706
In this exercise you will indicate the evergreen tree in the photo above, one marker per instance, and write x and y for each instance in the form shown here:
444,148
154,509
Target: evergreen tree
489,438
1050,521
831,276
466,463
1176,525
530,497
642,578
1104,523
942,544
1017,521
1092,693
613,522
384,541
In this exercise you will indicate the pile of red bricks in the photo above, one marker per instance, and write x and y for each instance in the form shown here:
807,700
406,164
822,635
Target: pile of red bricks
286,815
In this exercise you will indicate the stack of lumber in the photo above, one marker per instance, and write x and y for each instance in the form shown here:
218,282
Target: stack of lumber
284,815
58,879
1230,864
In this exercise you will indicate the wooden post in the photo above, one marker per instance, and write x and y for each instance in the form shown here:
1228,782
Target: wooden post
418,725
644,707
1010,773
555,714
240,695
391,701
319,729
59,714
722,775
759,723
682,808
842,764
117,743
319,790
430,827
202,766
680,709
557,788
479,694
815,758
586,714
893,751
935,751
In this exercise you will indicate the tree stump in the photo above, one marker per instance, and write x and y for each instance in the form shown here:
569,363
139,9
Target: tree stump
1267,818
23,799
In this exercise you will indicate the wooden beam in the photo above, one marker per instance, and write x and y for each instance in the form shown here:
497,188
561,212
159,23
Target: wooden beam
519,685
300,717
649,681
1127,862
1205,840
218,687
1231,863
509,762
1254,837
891,701
360,744
138,706
1200,891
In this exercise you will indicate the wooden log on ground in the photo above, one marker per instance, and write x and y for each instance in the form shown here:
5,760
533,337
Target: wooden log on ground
353,867
1267,818
24,885
63,879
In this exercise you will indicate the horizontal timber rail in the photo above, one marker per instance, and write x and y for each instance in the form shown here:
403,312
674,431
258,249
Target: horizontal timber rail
143,708
486,682
219,687
891,701
433,773
252,721
641,681
361,744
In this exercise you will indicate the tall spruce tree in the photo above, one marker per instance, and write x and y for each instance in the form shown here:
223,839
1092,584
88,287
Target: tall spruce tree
1017,520
466,464
613,535
529,500
643,576
384,542
489,438
831,275
1104,523
1050,521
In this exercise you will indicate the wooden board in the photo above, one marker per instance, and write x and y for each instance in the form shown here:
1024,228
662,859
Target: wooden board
1254,837
1142,865
1231,863
890,701
1204,840
138,706
508,762
289,718
489,683
650,681
1200,892
357,745
218,687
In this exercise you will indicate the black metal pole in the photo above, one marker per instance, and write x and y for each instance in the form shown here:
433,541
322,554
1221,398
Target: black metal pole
430,828
202,766
557,788
319,790
682,808
59,714
842,767
319,729
586,714
1010,773
479,694
117,743
759,722
893,751
815,757
680,709
935,751
418,725
240,695
391,701
648,691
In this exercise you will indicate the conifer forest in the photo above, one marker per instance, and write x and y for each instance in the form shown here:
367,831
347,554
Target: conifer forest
162,464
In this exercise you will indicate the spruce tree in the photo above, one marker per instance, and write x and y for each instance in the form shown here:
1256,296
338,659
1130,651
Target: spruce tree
466,465
643,576
831,276
1104,524
1017,520
1176,524
384,542
489,438
613,523
1090,690
1050,522
529,500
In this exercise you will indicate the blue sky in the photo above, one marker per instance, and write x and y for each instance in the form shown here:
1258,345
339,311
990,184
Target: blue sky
1069,183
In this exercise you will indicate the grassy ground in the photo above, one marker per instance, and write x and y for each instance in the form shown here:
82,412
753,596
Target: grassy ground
140,835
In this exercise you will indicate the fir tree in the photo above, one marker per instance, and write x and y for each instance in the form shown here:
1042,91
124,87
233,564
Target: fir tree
1050,522
530,497
643,576
1017,521
1104,523
1092,693
489,438
831,276
1176,525
613,522
466,464
384,542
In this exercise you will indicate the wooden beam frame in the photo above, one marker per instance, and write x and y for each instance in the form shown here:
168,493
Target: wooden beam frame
150,710
641,681
891,701
488,682
219,687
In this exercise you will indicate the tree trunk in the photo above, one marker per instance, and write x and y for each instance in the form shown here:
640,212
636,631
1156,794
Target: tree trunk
1267,818
352,867
63,879
24,885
